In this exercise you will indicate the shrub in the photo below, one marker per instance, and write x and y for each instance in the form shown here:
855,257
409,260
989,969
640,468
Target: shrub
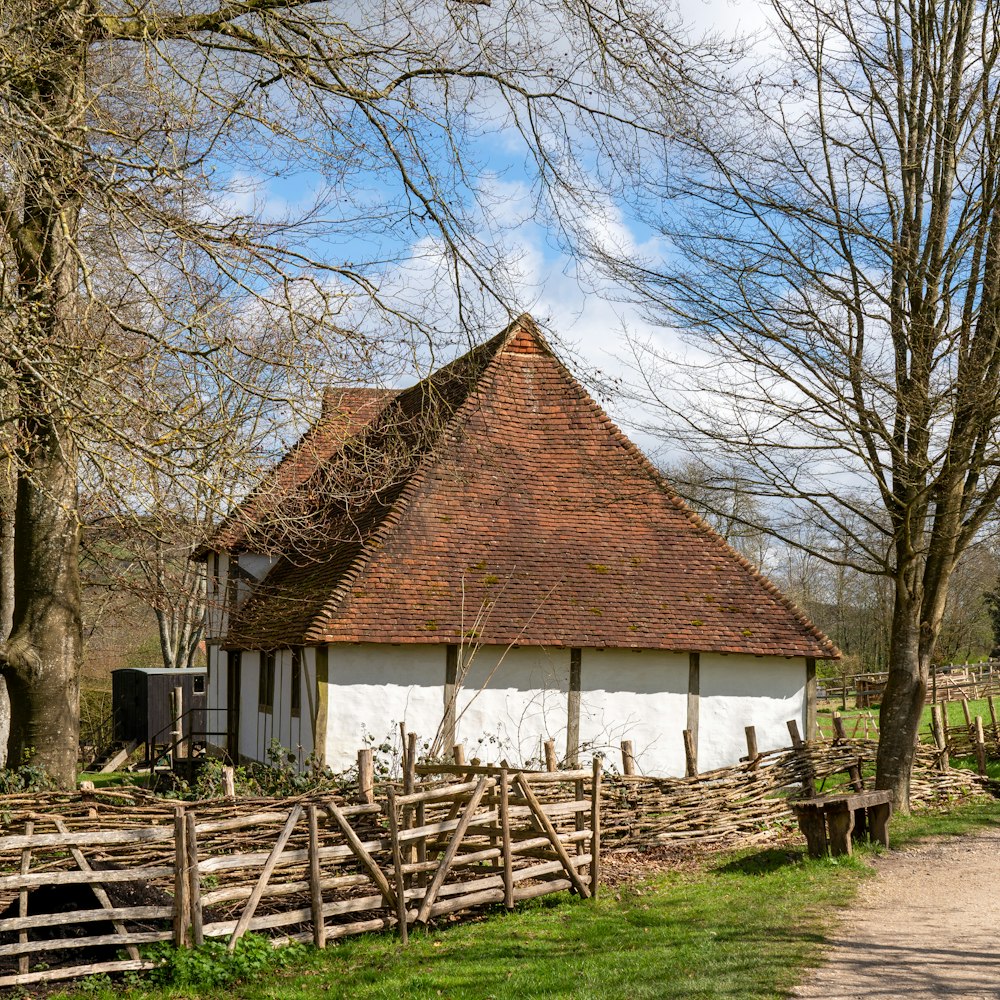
213,965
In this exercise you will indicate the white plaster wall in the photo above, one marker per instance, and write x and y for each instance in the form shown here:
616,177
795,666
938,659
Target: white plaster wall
738,691
258,729
514,700
256,565
283,727
215,616
373,687
639,696
254,726
215,715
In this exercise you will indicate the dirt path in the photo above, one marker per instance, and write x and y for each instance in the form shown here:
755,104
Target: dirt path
927,926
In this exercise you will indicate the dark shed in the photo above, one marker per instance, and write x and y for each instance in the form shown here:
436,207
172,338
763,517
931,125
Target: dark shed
141,701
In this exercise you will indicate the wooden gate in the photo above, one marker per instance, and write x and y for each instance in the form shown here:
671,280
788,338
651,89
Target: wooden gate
312,869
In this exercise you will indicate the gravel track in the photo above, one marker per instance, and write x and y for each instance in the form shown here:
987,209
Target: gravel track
926,926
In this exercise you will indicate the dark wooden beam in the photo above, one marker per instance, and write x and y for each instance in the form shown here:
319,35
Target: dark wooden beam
450,695
810,719
573,707
694,698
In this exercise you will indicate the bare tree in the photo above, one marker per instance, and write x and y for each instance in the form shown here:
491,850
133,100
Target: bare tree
834,252
724,497
138,142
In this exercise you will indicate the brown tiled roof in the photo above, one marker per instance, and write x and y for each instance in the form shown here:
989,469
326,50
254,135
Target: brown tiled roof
256,524
496,502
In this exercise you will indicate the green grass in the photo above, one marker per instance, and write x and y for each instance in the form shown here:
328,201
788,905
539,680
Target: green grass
114,778
953,709
971,764
970,817
742,929
955,715
744,926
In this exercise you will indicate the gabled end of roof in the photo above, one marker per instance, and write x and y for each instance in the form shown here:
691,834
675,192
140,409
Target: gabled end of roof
523,336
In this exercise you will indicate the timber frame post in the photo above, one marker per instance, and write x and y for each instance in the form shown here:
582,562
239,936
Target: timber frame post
573,707
450,695
321,720
694,699
810,707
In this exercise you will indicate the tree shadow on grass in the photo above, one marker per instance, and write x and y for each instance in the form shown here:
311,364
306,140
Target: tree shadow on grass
762,862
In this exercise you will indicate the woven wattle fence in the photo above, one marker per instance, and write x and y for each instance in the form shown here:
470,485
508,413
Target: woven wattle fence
749,801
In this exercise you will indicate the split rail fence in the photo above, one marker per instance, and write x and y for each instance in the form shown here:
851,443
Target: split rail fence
449,838
313,869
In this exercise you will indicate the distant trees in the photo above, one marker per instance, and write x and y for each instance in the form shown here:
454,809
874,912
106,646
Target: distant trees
832,247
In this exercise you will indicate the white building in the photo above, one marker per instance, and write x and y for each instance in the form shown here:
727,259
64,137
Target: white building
485,555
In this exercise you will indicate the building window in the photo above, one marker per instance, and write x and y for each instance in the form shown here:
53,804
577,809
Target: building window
265,689
296,683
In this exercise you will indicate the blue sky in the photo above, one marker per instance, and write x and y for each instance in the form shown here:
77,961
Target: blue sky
590,321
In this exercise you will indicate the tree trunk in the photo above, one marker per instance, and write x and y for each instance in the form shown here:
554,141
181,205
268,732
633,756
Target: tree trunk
8,486
7,493
902,703
42,658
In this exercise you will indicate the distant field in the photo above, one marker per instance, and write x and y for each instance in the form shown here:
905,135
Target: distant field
855,718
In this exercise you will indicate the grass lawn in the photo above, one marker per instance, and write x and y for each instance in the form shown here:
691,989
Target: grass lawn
955,715
743,926
114,778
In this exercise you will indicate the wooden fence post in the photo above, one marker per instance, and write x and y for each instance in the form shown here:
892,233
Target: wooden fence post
595,827
229,782
458,753
506,846
366,776
808,777
840,736
397,863
993,716
839,732
628,758
752,754
980,745
194,880
409,781
967,714
182,898
551,761
938,727
690,755
22,904
315,888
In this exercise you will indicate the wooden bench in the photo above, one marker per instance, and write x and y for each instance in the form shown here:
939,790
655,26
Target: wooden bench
830,820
